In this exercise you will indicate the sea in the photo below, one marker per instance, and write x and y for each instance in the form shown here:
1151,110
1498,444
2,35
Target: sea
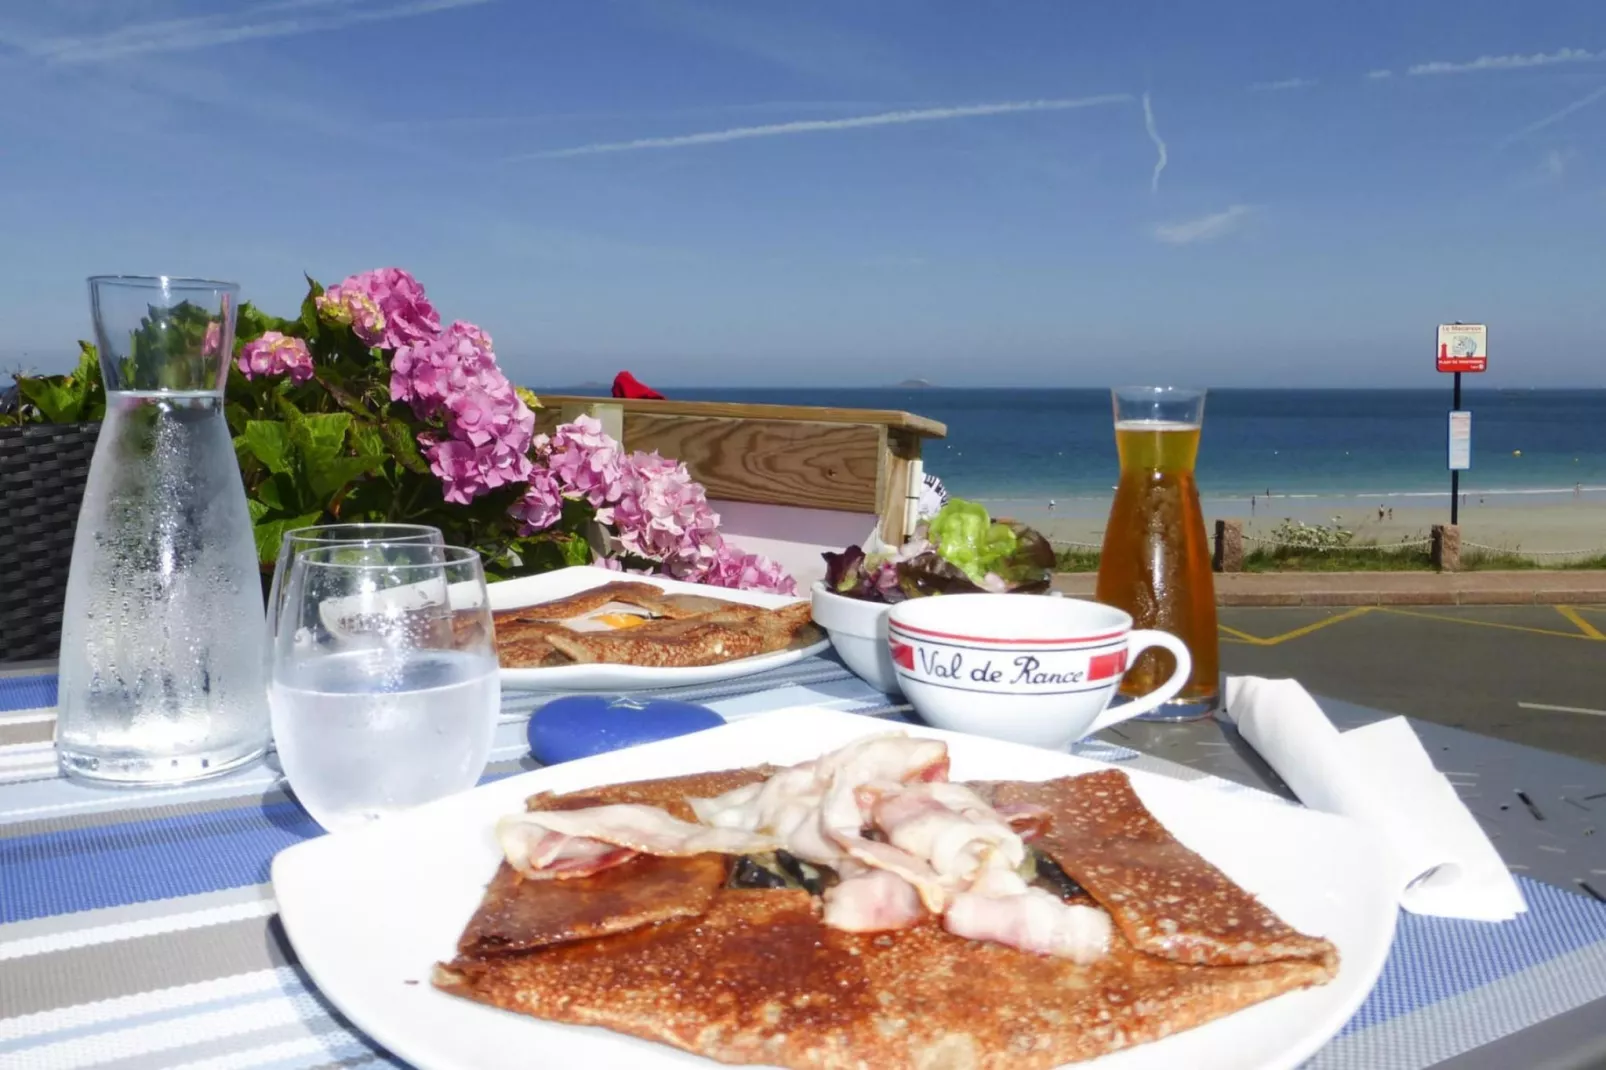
1312,450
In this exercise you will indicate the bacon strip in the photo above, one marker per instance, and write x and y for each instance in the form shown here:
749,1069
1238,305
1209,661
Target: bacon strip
571,843
871,901
1033,920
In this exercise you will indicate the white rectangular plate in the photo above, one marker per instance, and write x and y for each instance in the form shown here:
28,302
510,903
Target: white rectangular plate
371,911
528,590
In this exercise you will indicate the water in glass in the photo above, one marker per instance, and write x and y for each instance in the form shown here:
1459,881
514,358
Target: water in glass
384,686
161,674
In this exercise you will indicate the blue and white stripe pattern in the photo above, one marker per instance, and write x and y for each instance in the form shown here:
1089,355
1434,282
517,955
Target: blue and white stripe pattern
138,931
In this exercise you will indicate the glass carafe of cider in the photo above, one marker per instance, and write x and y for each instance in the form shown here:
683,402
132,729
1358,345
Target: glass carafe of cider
1156,558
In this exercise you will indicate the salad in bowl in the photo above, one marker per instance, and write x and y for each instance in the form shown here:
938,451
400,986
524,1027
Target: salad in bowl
961,550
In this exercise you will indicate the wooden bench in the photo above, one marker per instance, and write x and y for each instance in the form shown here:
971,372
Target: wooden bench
789,481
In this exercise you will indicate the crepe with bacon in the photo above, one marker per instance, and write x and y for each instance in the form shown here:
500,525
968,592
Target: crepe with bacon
861,910
631,623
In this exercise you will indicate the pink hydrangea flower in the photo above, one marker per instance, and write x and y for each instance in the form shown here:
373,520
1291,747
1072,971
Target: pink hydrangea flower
657,513
587,462
407,314
347,307
427,373
542,504
663,515
212,343
454,377
734,568
467,471
276,354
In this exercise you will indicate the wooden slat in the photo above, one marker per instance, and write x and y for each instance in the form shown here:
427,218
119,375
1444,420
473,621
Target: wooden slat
775,462
891,418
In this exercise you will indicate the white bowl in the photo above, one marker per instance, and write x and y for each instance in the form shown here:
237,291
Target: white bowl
1027,669
858,631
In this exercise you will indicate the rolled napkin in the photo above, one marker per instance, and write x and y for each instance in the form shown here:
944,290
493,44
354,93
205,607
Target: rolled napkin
1380,775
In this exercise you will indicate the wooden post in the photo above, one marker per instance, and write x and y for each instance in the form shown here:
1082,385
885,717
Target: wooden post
1229,555
1447,547
899,450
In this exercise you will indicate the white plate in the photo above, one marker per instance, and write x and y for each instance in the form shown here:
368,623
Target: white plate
510,594
370,911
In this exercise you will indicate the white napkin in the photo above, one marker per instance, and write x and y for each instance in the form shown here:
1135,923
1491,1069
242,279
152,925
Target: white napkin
1380,775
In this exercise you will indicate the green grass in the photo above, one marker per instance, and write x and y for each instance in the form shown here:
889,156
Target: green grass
1076,559
1365,557
1349,559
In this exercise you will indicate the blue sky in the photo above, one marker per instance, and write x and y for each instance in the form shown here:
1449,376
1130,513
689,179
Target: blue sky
987,192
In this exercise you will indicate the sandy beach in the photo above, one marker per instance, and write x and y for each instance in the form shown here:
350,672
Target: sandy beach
1538,528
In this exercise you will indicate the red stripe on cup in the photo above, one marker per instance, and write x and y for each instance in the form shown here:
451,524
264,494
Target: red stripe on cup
1104,666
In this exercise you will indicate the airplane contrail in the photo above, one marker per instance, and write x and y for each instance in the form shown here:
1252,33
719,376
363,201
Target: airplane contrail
1154,136
814,126
1555,116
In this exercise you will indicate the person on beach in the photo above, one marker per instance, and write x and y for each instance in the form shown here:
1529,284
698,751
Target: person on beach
1380,514
1391,512
1251,505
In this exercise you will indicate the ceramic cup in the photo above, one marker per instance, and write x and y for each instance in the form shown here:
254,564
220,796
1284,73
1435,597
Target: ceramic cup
1027,669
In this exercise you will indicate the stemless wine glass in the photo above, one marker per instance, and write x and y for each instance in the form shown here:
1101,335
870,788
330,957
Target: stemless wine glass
297,540
383,690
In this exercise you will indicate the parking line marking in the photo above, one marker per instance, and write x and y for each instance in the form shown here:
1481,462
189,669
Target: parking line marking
1560,709
1479,623
1583,625
1298,633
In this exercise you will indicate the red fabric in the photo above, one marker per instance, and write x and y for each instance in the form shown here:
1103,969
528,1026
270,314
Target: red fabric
626,385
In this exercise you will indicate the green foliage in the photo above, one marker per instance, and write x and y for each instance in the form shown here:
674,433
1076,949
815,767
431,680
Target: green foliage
1075,559
333,448
1296,534
67,399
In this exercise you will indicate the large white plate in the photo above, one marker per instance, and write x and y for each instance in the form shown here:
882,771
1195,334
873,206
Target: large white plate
528,590
370,911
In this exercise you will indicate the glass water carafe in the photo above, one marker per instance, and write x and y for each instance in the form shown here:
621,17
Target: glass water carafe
163,629
1156,558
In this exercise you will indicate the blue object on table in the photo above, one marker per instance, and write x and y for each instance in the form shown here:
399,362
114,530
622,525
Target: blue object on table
582,725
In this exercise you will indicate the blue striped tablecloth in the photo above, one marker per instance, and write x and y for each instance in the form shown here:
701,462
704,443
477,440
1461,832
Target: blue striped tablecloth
138,929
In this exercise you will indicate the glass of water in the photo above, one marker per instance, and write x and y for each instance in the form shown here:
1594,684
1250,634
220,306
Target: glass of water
383,690
297,540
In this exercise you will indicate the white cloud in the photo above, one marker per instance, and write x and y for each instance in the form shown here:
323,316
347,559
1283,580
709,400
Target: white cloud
813,126
279,18
1379,74
1553,165
1286,83
1556,116
1154,136
1516,61
1205,228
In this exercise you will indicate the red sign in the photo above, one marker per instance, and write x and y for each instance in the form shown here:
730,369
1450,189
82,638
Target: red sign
1463,347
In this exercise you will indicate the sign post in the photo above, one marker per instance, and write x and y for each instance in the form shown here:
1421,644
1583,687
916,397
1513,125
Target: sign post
1463,347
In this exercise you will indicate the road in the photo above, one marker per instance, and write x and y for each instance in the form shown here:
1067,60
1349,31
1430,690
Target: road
1530,674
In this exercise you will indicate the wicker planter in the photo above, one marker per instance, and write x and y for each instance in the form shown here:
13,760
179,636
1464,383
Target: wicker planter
42,472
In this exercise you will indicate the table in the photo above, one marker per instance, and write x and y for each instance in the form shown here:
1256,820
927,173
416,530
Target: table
137,929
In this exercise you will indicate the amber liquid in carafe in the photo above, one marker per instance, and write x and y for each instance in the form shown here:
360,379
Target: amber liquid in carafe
1156,558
